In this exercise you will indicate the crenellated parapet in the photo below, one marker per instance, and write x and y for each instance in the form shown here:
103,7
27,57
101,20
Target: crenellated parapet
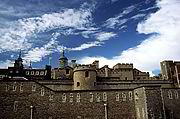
81,67
84,77
123,66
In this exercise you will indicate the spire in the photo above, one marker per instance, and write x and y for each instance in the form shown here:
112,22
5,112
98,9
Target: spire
19,58
20,53
63,60
63,52
30,65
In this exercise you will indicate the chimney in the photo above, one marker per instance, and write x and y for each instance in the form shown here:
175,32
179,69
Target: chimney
96,63
106,71
73,63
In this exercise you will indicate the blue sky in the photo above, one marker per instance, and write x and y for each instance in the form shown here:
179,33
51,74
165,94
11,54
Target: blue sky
142,32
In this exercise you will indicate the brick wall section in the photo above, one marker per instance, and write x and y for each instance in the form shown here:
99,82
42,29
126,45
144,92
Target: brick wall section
45,108
172,104
154,102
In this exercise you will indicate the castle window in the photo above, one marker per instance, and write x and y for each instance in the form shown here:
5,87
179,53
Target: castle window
130,95
32,72
45,72
37,72
136,96
42,73
126,78
15,106
91,97
171,115
33,87
14,86
117,96
98,98
67,71
78,97
170,94
94,83
71,97
176,94
27,72
50,97
7,87
86,74
21,87
123,97
78,84
64,97
42,91
104,96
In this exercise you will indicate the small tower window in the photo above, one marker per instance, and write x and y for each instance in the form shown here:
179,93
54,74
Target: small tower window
21,87
67,71
130,95
32,72
64,97
27,72
15,106
170,94
91,97
176,94
117,96
50,97
37,72
123,97
33,87
42,91
86,74
42,73
126,78
7,87
98,98
14,86
71,97
78,97
104,96
78,84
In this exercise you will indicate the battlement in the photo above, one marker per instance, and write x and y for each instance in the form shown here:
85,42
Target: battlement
123,65
84,67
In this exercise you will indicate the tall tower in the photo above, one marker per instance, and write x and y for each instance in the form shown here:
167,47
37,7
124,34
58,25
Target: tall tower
84,77
63,60
19,62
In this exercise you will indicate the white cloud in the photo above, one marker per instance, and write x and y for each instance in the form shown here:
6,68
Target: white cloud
119,20
19,34
136,17
37,53
164,44
86,45
6,64
102,36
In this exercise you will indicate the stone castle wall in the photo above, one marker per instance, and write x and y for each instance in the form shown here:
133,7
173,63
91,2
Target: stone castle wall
63,104
84,77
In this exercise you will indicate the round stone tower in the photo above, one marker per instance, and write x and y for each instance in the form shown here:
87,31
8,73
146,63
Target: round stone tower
84,77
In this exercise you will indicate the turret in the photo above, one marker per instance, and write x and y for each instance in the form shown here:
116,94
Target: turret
63,61
84,77
18,63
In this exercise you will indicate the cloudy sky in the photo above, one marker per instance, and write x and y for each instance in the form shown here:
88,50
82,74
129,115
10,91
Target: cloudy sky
142,32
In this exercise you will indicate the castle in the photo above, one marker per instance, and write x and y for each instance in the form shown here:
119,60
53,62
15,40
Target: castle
89,92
